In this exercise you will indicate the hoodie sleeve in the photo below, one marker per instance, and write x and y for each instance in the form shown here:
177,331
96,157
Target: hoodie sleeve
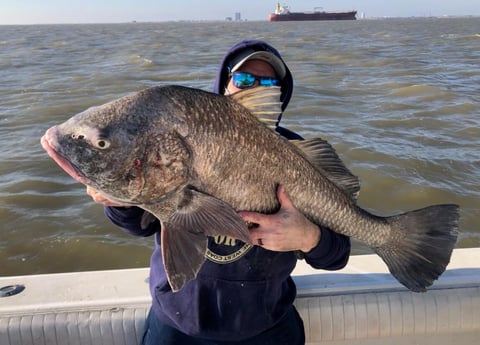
331,253
130,220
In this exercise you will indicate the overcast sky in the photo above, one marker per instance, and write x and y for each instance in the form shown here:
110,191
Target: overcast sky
115,11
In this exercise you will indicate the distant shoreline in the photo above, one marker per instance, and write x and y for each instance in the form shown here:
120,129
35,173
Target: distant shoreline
238,21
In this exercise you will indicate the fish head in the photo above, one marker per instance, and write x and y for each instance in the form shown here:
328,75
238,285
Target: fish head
125,149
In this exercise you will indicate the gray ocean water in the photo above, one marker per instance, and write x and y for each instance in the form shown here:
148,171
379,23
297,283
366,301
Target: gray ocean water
399,99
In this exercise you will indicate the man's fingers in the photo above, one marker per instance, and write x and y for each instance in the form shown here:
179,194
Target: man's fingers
251,217
283,198
258,237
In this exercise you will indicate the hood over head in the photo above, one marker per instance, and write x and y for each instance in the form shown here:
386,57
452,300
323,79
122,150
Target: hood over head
248,49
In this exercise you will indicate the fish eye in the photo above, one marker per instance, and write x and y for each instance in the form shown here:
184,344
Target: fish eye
102,143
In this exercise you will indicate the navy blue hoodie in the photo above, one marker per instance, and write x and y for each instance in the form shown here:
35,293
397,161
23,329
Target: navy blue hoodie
241,290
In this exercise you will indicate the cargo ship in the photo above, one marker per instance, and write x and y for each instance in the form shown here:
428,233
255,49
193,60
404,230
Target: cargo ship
282,13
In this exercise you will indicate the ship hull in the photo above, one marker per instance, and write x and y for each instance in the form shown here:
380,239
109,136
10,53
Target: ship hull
303,16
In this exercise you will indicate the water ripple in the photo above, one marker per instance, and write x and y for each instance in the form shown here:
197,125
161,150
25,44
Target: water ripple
397,98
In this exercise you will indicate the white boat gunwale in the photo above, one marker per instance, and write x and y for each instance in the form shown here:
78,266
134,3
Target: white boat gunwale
361,304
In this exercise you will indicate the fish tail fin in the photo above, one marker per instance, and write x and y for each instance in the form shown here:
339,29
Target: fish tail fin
422,250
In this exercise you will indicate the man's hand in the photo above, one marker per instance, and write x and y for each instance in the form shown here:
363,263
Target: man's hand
286,230
100,198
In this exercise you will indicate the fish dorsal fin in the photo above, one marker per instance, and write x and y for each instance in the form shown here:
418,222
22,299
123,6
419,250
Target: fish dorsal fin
323,156
263,102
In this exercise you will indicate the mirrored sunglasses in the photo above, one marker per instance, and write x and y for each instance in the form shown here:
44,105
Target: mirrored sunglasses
244,80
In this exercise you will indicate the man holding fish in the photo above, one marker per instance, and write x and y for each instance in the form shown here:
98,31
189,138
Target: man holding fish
190,167
243,293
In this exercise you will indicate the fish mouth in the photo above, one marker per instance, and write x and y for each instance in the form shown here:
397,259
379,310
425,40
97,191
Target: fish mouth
49,142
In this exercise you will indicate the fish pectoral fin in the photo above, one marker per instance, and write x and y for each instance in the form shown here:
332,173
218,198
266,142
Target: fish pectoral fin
262,102
208,215
183,254
323,156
